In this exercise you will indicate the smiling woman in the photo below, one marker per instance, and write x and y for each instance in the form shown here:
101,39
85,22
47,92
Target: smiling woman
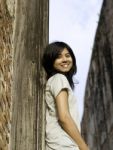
62,119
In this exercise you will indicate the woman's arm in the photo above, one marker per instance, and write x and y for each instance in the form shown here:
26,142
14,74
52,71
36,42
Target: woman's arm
66,120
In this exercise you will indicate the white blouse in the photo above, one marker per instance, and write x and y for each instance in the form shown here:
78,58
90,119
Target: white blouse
56,137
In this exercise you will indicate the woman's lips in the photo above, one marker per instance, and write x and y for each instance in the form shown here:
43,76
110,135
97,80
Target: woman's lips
65,65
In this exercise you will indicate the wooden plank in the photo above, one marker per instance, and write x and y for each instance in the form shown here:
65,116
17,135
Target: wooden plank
30,37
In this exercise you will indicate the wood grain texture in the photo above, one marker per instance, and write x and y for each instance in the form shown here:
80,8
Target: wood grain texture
29,38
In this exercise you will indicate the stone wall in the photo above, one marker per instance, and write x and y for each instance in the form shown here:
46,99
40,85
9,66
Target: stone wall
6,21
97,122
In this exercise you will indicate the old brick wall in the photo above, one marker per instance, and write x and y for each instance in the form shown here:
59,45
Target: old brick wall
6,22
97,123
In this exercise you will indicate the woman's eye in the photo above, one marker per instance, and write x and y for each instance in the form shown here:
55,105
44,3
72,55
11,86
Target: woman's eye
61,56
68,55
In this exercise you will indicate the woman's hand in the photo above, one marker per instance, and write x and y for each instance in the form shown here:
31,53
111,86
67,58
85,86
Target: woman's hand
84,147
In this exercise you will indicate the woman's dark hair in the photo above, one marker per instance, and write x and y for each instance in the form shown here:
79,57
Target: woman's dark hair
52,52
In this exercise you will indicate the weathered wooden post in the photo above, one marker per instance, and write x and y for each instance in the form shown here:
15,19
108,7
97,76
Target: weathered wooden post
30,37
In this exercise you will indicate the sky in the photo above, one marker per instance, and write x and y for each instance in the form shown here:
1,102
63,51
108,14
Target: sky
75,22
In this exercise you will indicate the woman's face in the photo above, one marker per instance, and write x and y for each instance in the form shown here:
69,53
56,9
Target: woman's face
64,61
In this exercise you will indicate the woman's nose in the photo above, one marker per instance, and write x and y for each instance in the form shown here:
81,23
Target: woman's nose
64,59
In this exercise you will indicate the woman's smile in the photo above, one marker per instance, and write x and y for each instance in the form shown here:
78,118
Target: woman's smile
65,65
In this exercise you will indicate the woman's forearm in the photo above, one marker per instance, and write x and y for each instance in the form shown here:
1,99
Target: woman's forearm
71,129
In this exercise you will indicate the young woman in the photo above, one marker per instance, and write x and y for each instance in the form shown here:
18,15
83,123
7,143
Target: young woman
62,121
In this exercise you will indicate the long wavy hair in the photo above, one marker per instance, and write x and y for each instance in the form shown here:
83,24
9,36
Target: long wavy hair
52,52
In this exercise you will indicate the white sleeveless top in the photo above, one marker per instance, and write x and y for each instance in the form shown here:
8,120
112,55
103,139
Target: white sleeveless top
56,137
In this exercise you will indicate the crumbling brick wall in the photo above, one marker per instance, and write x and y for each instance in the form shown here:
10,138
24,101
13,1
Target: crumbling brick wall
6,30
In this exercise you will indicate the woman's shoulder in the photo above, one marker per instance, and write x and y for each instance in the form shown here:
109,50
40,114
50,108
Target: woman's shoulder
57,82
57,77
